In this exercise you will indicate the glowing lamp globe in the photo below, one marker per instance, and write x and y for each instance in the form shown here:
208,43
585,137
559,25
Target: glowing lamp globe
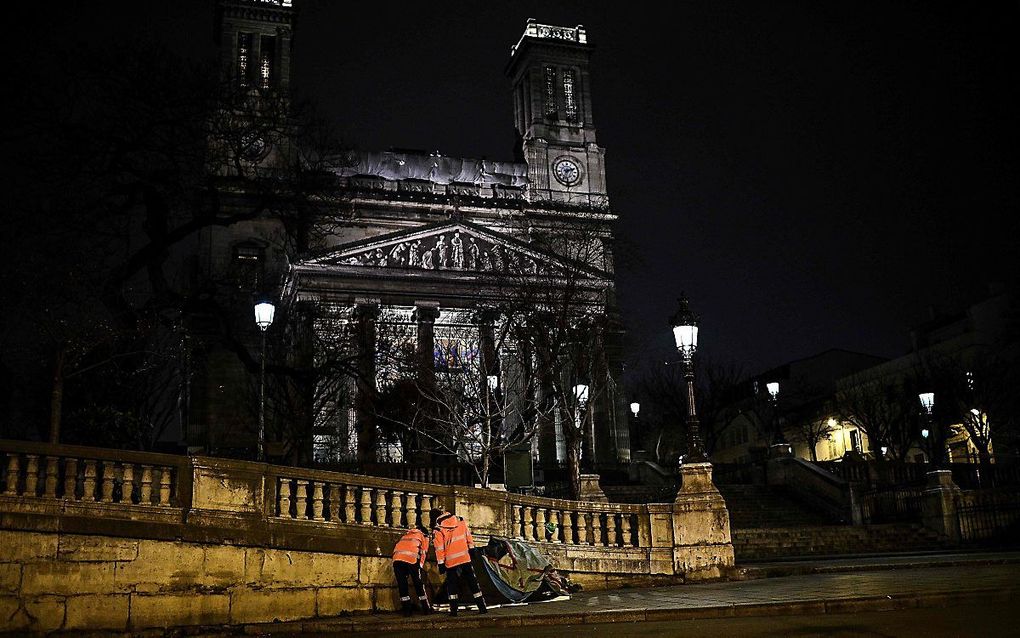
927,401
264,312
581,392
493,382
773,388
685,328
635,407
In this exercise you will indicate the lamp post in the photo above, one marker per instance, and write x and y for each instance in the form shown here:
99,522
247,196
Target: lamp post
581,396
685,333
928,404
264,313
779,445
635,407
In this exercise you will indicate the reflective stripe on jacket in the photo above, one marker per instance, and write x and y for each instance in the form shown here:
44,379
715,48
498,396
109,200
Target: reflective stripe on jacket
453,541
412,547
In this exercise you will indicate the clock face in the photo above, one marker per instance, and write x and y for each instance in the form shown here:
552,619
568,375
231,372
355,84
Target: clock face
566,172
253,146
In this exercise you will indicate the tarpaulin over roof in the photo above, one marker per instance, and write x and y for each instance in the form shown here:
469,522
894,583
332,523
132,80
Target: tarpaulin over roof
396,166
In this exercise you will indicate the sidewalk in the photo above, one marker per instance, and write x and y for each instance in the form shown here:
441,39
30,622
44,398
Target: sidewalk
836,586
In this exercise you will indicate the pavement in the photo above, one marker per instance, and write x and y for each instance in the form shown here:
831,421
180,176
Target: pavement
809,587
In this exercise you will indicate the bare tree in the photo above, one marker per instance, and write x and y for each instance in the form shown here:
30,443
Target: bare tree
139,156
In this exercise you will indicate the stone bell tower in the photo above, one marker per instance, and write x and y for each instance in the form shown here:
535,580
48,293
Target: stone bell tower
553,115
254,37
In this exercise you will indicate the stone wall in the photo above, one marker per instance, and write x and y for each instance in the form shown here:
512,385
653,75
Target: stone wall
106,539
54,580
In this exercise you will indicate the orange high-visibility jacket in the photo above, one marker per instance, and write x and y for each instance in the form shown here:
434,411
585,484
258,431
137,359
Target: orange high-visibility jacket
412,547
452,540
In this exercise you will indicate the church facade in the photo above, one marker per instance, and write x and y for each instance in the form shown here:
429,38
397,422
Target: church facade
469,305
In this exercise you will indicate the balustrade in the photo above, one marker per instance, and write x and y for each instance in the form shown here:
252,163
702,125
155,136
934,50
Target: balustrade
117,479
75,474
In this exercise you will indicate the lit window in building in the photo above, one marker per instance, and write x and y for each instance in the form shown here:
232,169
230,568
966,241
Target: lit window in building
243,56
454,355
267,61
550,92
569,95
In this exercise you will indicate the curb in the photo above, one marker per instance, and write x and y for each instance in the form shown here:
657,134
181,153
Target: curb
751,571
813,606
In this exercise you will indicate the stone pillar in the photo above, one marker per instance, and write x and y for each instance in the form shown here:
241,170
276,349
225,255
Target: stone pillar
366,313
489,365
702,548
939,505
546,427
425,315
591,491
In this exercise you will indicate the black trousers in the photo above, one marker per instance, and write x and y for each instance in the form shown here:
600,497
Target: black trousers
403,571
454,576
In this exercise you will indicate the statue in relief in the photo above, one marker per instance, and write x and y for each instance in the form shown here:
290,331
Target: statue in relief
458,250
412,253
474,254
441,250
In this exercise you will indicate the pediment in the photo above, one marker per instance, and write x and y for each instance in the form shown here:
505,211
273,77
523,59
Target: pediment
456,246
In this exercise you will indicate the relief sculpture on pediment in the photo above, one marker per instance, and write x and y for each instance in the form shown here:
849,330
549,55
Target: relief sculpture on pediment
449,251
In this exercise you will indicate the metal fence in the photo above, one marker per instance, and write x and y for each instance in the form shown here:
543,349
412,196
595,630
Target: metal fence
902,505
989,516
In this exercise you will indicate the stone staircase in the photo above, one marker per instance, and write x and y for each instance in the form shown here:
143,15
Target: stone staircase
757,544
767,523
765,506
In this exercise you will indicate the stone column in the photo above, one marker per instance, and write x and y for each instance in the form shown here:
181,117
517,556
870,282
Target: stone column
366,313
546,427
939,505
489,365
702,547
425,315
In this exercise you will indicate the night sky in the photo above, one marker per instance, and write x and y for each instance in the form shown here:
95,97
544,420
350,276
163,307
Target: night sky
813,175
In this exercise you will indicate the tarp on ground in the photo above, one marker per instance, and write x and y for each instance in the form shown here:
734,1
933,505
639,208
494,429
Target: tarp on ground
513,571
519,572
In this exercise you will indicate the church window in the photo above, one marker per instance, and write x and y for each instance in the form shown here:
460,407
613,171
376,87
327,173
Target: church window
243,58
247,266
267,61
550,92
569,95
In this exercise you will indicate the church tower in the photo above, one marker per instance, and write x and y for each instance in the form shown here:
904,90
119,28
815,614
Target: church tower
553,115
254,38
255,41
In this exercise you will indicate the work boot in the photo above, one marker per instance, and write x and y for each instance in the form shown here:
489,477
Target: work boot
406,607
426,608
480,601
453,607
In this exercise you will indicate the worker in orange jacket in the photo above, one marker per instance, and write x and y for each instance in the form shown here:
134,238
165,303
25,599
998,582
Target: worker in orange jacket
408,560
454,546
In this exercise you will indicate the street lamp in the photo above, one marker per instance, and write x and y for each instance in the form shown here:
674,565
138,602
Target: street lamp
635,407
927,400
779,443
685,333
264,313
581,396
